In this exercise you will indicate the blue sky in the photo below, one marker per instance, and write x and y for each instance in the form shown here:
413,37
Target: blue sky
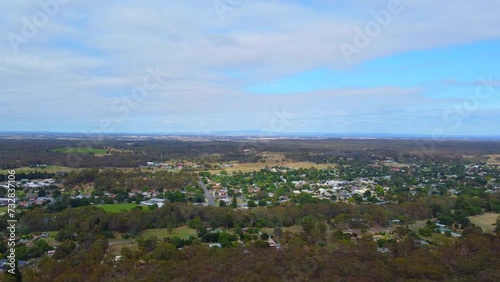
282,66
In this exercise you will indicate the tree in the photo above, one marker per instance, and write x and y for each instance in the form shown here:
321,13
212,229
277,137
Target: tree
264,236
367,194
222,203
39,248
234,202
402,231
64,249
195,223
425,232
278,232
322,228
260,244
308,224
497,228
7,277
164,251
42,193
251,204
147,245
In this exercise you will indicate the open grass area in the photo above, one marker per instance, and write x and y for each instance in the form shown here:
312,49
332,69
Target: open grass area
80,150
271,159
117,208
293,229
48,169
493,159
181,232
55,169
397,165
115,248
418,224
52,238
3,210
485,221
439,238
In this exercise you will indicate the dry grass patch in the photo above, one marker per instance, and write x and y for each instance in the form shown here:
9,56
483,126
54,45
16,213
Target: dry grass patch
47,169
493,159
485,221
271,160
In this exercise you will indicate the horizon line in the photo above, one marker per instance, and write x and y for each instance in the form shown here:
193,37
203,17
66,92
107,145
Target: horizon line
264,134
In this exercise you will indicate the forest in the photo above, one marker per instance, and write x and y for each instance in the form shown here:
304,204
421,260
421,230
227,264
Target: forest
309,255
29,152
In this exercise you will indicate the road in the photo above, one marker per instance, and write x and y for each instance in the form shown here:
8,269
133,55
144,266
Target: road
208,196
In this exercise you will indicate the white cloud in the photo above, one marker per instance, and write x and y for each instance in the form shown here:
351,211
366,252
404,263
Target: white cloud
93,51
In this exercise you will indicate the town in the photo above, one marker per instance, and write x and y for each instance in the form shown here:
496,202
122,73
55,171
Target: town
270,204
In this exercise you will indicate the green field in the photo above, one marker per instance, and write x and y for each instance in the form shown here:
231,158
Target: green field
3,210
117,208
292,229
80,151
52,238
181,232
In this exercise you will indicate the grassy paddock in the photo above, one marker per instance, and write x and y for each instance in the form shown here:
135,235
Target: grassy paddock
181,232
52,238
292,229
485,221
117,208
493,159
47,169
116,248
271,159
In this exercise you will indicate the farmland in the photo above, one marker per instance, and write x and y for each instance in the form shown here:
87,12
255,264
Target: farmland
270,160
